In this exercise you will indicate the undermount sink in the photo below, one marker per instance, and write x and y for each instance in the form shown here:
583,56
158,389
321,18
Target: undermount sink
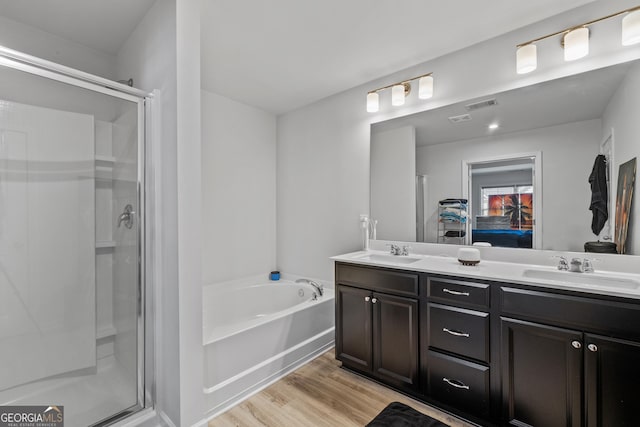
584,279
396,259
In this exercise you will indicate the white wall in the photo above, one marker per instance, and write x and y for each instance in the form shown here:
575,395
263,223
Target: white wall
568,152
238,190
393,183
323,183
622,115
323,148
36,42
189,211
149,57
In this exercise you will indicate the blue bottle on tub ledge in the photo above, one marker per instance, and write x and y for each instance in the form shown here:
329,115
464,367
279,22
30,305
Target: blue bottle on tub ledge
274,275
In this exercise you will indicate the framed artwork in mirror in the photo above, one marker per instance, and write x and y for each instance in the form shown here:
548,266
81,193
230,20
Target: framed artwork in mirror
626,180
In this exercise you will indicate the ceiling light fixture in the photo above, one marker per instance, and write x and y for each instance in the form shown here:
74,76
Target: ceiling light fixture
493,126
400,90
575,40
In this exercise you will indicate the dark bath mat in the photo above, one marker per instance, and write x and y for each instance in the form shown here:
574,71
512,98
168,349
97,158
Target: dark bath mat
400,415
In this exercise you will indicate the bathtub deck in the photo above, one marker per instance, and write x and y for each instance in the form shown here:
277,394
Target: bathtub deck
320,394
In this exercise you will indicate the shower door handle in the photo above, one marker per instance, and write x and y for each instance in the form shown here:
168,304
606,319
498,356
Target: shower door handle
126,217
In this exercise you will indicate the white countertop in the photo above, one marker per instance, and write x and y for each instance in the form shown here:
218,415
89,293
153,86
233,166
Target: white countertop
601,282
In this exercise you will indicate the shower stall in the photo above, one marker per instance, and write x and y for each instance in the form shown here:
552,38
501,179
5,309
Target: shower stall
72,330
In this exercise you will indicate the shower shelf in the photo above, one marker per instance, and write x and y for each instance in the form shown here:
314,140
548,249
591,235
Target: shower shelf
104,167
105,332
101,244
110,160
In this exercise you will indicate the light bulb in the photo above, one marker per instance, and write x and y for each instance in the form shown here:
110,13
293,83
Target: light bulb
397,95
425,87
631,28
526,58
576,44
372,102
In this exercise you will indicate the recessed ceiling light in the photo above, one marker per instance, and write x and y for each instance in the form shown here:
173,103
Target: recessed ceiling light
493,126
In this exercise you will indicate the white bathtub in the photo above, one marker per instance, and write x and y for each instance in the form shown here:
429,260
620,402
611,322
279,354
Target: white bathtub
254,334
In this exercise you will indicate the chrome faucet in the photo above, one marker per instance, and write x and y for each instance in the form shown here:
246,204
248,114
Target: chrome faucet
587,265
405,250
318,286
562,264
582,266
394,249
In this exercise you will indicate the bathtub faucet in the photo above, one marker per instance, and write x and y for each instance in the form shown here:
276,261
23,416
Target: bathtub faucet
316,285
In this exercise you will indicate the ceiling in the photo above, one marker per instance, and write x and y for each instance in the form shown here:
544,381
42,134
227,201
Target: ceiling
579,97
101,25
279,55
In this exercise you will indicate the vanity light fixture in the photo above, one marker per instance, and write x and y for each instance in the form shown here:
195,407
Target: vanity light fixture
397,94
576,44
526,58
400,90
372,102
575,40
425,87
631,28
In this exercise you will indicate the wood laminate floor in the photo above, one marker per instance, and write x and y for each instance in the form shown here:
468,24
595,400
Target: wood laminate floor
320,394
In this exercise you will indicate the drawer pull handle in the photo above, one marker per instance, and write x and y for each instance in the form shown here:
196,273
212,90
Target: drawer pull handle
374,300
456,383
455,333
367,299
592,347
457,293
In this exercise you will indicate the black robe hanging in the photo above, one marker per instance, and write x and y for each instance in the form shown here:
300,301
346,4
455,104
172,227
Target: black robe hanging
599,194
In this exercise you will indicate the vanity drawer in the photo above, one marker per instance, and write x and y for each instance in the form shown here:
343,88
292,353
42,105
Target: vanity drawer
611,318
459,292
460,331
459,383
378,279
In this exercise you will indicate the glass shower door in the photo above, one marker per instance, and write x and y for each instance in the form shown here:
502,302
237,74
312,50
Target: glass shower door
70,298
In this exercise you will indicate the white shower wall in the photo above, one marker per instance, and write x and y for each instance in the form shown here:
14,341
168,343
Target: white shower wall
47,224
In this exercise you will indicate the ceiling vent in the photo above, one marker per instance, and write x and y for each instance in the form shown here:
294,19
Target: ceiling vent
461,118
481,104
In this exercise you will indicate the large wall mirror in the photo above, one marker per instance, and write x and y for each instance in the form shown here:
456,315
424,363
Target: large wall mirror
511,168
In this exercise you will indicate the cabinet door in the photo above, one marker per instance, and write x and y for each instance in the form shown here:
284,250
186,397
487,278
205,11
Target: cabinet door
395,340
612,381
353,327
541,374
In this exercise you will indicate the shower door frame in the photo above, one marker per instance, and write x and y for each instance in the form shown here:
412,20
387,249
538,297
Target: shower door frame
40,67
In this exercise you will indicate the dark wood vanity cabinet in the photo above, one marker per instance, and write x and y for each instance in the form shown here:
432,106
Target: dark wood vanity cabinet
494,353
559,367
377,324
455,330
541,374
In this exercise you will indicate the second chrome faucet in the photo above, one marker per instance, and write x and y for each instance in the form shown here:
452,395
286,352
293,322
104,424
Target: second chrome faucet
397,250
577,265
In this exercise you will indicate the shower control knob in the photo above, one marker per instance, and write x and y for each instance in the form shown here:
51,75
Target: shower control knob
375,300
367,299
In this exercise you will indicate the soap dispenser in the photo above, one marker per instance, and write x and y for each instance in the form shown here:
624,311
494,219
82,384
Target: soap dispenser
364,225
